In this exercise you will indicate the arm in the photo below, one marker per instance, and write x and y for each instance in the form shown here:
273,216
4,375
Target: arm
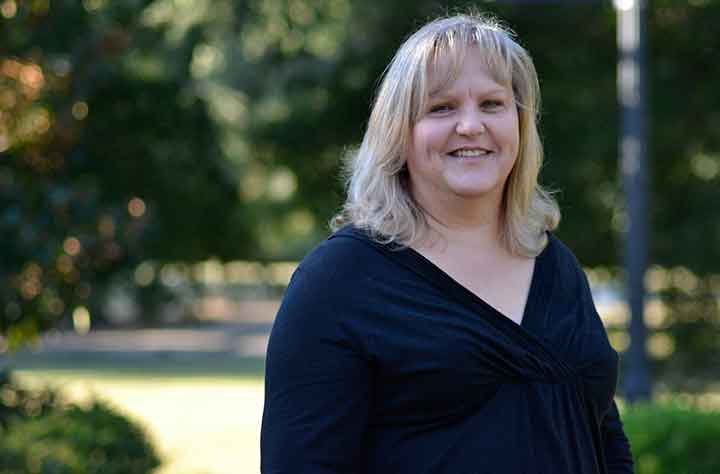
317,384
617,447
602,380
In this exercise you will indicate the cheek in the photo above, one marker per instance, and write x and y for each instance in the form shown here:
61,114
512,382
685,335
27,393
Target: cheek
428,137
511,133
419,137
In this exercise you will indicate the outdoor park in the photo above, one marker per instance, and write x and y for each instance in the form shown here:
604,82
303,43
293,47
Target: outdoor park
165,165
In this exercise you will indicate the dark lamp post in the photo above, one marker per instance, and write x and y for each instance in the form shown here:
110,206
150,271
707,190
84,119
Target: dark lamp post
633,168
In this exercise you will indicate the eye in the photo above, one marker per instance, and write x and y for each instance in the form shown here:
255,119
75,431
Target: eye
440,108
492,104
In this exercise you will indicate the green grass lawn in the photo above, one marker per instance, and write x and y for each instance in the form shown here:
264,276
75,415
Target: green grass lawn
203,415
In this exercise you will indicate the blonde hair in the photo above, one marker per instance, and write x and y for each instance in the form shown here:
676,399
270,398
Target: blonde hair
378,196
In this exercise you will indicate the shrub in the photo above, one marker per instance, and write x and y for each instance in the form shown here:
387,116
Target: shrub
69,439
17,402
673,439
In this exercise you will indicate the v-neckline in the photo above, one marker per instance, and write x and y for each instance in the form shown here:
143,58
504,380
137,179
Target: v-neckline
451,280
450,283
534,313
533,316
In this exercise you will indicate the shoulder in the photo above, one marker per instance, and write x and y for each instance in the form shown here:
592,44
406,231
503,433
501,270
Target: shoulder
346,253
336,271
567,270
565,259
326,297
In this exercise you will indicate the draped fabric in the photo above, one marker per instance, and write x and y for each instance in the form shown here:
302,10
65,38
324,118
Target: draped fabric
379,362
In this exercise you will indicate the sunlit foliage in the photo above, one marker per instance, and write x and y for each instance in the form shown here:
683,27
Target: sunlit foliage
103,161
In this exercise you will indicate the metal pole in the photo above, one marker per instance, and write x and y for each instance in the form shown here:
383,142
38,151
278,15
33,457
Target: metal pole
633,167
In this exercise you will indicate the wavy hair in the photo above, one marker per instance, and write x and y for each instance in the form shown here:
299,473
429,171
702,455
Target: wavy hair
378,196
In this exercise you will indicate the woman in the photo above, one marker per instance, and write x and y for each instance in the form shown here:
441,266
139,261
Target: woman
443,329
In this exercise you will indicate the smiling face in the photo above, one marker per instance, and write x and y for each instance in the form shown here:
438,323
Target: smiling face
466,141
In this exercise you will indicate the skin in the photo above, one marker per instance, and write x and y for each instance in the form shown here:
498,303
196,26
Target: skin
463,194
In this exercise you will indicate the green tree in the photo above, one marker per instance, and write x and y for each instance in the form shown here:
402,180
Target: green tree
109,156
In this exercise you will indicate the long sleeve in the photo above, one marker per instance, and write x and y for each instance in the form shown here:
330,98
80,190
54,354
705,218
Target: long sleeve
617,447
317,382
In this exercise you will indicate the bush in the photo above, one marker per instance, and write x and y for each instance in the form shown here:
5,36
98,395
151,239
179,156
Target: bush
18,403
673,439
69,439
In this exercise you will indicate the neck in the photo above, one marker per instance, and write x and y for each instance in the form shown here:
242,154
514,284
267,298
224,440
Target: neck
468,224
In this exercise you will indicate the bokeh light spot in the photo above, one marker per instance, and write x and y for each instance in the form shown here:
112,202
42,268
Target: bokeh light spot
656,314
620,340
30,288
72,246
656,279
322,43
41,122
282,184
173,275
32,76
206,60
136,207
705,167
81,320
8,9
244,272
661,345
144,274
209,272
80,110
684,280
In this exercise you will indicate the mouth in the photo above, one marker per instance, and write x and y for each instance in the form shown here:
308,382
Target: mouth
478,152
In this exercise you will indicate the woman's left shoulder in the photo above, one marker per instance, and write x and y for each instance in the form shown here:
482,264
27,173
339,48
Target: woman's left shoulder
566,267
561,252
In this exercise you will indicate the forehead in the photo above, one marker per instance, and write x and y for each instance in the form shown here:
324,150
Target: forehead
447,61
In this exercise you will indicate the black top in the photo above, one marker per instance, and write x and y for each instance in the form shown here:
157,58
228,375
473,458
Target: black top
380,362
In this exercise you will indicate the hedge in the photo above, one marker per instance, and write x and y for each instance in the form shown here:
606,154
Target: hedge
41,435
673,438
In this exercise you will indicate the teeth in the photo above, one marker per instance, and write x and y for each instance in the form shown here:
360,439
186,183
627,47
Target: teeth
469,153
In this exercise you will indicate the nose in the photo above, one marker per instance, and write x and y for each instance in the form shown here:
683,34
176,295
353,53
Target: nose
470,123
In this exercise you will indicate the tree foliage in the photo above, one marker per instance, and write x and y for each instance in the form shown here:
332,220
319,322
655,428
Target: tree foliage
109,156
178,130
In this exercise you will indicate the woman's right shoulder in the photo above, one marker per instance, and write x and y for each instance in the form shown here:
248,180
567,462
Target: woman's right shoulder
348,251
329,284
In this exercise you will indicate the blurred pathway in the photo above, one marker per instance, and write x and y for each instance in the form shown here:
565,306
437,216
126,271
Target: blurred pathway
210,343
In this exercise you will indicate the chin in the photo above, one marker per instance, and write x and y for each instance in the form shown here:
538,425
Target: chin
477,189
476,193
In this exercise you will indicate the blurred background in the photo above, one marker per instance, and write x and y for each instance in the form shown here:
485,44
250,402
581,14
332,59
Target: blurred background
164,165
